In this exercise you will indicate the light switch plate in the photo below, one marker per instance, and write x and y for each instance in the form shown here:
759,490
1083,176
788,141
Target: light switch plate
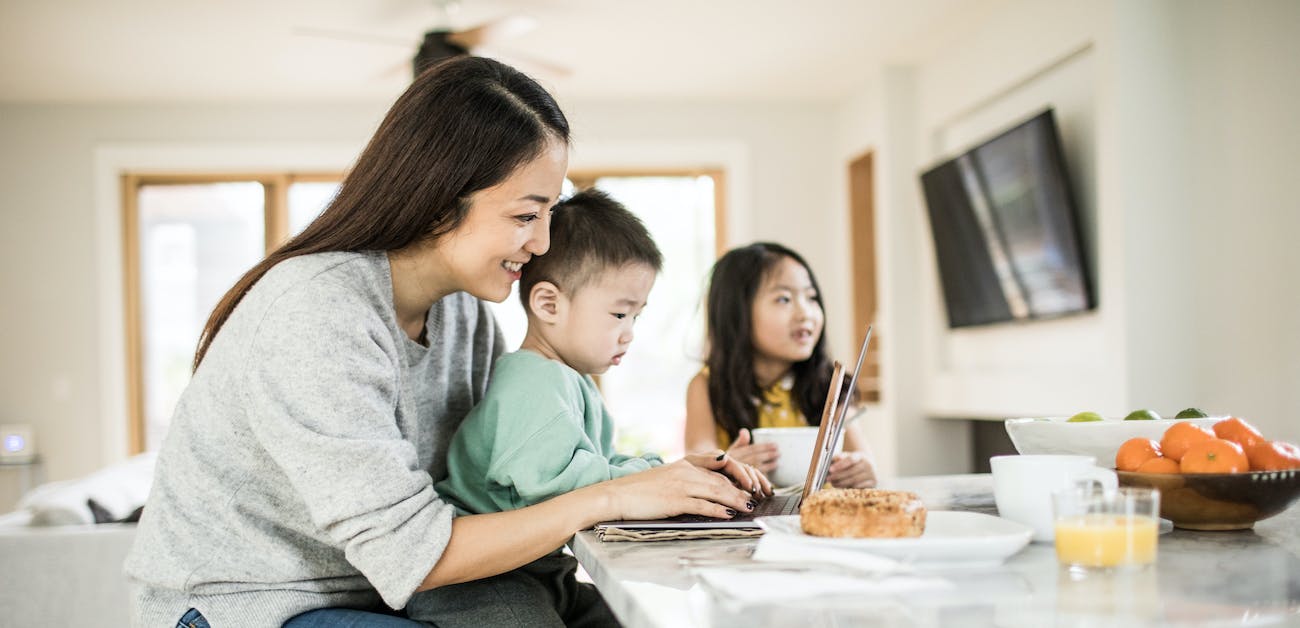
17,443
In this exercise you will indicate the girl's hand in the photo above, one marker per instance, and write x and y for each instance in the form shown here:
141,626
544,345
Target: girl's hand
852,469
676,489
763,455
745,476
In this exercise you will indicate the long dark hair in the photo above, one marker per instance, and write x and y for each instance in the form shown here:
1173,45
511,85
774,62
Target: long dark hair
464,125
733,390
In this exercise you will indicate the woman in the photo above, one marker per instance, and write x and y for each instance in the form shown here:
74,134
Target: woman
295,484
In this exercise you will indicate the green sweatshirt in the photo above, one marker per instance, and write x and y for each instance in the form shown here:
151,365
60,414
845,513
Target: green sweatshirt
540,431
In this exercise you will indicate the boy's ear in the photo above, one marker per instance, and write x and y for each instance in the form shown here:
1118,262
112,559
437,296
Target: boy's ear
544,301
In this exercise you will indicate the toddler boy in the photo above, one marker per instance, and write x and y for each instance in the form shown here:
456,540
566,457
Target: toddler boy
541,429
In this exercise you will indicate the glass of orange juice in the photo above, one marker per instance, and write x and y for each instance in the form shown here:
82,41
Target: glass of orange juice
1106,530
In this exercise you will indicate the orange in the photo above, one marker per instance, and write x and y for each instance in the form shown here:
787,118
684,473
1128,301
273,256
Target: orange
1214,455
1159,465
1273,456
1180,437
1238,431
1134,452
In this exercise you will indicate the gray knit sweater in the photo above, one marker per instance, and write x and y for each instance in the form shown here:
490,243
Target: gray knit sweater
299,466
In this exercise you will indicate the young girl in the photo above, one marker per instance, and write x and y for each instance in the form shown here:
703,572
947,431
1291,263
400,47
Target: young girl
767,364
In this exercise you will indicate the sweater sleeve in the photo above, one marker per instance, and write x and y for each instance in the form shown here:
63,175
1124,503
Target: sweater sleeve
323,377
553,460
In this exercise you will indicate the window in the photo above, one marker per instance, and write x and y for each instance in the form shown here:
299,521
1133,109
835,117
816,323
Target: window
646,394
187,239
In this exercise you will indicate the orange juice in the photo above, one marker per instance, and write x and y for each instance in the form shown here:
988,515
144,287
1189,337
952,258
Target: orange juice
1106,540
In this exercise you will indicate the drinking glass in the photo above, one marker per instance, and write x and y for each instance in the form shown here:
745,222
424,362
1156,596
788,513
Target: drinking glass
1107,530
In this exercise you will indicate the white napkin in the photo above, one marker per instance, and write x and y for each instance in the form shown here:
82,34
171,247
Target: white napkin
787,567
788,548
758,585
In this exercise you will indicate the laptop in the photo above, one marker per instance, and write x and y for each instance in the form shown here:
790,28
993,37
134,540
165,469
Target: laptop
819,463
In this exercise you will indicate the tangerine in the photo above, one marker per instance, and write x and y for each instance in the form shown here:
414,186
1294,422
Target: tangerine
1238,431
1273,456
1159,465
1214,455
1134,452
1180,437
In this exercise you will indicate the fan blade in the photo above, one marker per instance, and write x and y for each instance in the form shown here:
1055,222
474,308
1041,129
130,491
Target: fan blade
365,38
495,30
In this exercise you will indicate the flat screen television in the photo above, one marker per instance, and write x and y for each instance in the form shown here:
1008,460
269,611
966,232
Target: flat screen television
1006,229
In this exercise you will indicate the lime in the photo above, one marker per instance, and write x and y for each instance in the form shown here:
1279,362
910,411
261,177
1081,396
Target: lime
1191,413
1084,417
1142,415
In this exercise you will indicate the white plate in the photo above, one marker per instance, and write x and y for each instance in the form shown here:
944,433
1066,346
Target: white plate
950,537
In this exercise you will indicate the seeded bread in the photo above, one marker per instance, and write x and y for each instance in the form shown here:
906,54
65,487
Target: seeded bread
862,512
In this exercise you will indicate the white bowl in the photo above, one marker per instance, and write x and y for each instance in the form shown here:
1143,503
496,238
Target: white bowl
796,446
1100,439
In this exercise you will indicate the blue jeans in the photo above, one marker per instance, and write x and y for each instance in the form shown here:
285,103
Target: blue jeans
192,619
349,618
322,618
541,594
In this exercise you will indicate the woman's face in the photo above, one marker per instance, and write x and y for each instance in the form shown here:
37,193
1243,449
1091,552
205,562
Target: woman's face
787,314
506,225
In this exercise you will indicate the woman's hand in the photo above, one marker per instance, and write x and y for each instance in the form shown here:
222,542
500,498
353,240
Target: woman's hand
745,476
852,469
763,455
682,487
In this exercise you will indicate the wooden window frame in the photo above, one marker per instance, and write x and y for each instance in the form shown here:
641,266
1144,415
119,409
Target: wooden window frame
276,216
862,234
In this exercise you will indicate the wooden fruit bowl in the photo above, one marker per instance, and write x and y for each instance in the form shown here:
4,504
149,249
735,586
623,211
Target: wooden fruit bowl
1219,501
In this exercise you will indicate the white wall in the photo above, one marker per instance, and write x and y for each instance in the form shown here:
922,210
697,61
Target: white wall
57,346
1240,140
1176,121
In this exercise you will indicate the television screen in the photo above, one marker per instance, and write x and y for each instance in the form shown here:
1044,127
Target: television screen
1006,230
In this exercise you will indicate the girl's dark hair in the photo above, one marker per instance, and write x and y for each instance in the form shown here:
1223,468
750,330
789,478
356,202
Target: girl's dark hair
464,125
733,391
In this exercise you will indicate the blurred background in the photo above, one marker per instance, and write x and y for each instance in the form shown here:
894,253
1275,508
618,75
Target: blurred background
152,151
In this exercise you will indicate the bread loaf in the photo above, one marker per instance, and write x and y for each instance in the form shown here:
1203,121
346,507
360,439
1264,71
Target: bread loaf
862,512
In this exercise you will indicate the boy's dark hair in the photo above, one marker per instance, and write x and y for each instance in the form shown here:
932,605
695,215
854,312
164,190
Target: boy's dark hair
590,233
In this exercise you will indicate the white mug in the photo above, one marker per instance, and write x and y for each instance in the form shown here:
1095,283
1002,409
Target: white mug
1023,486
795,445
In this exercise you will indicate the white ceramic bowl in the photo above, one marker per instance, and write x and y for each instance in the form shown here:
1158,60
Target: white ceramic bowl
1100,439
796,445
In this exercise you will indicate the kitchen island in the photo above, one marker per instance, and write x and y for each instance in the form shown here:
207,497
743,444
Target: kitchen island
1248,577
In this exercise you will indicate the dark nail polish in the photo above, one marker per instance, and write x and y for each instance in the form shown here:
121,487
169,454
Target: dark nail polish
750,504
721,456
731,513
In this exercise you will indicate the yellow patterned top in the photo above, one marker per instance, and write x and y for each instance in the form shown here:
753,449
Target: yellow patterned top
777,409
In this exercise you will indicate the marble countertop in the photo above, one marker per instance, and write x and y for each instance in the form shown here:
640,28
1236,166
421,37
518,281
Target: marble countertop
1249,577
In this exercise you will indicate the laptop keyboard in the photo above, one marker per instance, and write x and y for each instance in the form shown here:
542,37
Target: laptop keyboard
770,507
777,505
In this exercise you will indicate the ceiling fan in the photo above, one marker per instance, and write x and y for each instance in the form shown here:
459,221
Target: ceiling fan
442,41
